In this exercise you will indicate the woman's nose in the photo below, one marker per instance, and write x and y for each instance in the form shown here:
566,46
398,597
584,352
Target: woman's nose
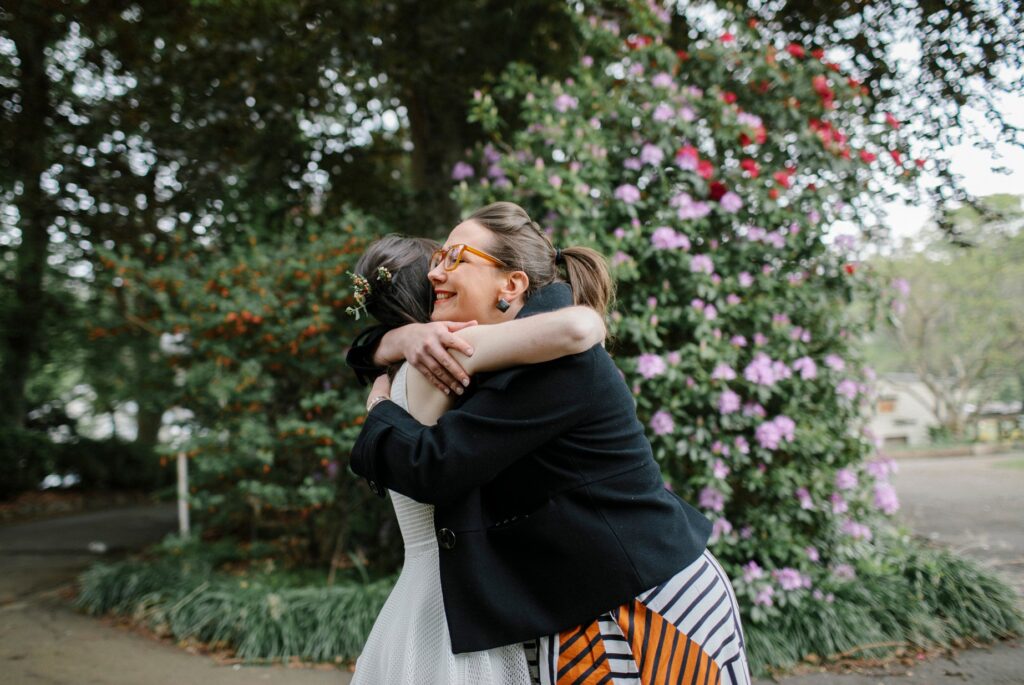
437,274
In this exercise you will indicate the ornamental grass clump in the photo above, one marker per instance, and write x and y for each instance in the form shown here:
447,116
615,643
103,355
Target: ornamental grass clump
734,186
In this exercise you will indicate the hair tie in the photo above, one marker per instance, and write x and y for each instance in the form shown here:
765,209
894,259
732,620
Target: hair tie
559,259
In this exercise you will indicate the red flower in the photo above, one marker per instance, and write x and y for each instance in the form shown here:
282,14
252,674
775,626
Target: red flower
752,23
745,140
729,97
818,53
852,82
820,85
774,193
763,86
760,135
796,50
850,268
782,178
706,169
750,166
891,120
867,157
637,42
896,157
920,163
717,190
682,55
727,37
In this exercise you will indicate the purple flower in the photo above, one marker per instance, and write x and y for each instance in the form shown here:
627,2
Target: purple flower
846,479
650,365
710,312
565,102
754,409
662,80
835,362
620,257
760,370
885,498
839,505
746,280
812,554
701,263
858,531
666,238
628,193
742,446
881,467
771,434
805,499
651,154
731,202
686,113
732,299
555,181
662,423
719,469
807,368
764,597
902,286
720,527
711,498
752,571
674,358
843,572
688,208
663,112
723,372
746,532
790,578
738,341
462,171
760,339
728,402
633,163
847,389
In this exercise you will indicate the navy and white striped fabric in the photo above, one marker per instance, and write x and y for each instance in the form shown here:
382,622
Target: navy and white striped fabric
686,630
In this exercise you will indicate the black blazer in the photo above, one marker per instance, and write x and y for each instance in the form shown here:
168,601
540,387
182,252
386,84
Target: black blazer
550,508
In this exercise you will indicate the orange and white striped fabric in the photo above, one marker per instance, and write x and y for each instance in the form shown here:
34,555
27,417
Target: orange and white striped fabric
686,630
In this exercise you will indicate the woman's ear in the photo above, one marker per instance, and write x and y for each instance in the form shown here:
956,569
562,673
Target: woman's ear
515,285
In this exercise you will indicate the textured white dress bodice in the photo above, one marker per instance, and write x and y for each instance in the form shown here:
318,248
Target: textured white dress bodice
409,643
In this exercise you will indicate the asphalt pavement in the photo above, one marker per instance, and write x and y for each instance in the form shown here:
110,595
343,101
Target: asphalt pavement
973,504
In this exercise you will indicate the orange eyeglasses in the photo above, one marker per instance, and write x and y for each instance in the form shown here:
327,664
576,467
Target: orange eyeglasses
452,257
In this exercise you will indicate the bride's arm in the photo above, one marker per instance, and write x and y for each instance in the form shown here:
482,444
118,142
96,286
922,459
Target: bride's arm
530,340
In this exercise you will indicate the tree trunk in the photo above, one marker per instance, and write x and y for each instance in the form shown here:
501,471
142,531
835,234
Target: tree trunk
20,329
437,138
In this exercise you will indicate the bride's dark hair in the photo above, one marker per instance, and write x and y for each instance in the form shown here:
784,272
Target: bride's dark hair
408,296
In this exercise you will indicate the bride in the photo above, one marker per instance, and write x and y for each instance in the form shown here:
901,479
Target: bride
410,643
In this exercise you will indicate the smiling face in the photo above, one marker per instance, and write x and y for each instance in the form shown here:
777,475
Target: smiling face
471,291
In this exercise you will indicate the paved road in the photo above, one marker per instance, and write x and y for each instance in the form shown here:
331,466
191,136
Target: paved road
973,504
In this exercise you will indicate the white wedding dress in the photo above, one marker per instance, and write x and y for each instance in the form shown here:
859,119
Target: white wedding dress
409,643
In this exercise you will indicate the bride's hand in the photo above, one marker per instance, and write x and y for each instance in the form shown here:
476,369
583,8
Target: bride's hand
381,390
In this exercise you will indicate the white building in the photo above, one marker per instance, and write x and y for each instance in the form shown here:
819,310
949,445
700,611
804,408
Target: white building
902,413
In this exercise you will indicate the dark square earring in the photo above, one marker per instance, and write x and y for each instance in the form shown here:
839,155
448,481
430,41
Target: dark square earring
503,305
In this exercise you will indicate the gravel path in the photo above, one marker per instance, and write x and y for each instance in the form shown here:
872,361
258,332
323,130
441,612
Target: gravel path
973,504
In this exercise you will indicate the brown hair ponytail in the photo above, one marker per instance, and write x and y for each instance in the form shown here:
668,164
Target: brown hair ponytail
520,243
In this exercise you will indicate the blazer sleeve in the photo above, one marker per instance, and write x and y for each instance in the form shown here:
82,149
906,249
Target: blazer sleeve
507,418
360,355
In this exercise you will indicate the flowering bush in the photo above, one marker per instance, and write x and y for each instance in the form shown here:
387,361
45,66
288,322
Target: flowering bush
257,334
711,179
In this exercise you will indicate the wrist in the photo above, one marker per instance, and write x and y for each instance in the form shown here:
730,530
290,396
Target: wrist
374,401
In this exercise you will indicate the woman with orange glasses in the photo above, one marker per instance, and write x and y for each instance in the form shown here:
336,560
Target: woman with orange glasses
554,525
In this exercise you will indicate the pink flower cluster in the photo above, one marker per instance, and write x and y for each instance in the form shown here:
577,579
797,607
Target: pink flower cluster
771,434
687,208
858,531
712,499
666,238
662,423
791,579
728,402
763,371
650,365
806,367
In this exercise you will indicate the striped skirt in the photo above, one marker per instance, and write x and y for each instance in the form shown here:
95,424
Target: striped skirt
686,630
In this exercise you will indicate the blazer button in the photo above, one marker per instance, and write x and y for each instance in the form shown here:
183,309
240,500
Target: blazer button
446,538
374,488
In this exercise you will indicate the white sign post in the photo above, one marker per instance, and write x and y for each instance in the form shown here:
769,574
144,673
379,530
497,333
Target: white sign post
183,522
